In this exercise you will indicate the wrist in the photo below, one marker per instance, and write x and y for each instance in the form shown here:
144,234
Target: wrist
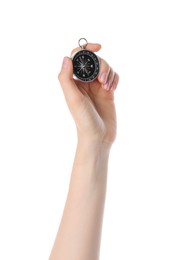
91,160
93,150
100,139
94,144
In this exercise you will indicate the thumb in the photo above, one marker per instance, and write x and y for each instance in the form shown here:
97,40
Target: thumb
66,80
67,68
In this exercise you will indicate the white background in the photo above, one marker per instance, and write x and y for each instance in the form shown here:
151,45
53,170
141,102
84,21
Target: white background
37,133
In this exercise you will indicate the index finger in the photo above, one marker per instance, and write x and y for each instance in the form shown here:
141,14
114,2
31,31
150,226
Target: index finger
94,47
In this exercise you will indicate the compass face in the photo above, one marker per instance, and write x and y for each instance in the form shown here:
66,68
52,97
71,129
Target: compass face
86,65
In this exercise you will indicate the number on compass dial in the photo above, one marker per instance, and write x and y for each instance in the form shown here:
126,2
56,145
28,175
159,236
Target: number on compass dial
86,65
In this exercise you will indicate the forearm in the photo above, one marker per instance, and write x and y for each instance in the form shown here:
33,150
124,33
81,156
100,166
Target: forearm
79,233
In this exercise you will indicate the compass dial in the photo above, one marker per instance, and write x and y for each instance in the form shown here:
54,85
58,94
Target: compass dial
86,65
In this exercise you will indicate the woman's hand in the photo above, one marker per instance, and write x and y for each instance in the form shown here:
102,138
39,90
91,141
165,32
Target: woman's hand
91,104
92,107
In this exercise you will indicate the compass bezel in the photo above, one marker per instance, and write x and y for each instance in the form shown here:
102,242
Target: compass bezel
95,61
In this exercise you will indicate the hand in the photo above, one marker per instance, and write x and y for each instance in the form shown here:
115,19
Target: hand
91,104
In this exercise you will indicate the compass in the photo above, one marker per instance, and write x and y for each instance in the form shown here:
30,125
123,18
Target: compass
86,64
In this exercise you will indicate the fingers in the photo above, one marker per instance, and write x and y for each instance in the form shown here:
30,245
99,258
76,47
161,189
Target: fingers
104,73
107,76
94,47
115,82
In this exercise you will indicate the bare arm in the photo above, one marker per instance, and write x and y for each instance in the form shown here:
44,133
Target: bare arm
93,110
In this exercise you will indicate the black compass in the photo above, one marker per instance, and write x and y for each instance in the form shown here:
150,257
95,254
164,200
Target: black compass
86,64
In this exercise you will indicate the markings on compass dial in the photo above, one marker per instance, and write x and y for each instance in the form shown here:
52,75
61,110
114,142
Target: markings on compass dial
86,65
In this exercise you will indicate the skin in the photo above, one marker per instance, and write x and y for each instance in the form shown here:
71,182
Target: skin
93,110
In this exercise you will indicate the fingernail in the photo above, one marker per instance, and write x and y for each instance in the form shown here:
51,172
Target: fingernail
65,62
103,77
